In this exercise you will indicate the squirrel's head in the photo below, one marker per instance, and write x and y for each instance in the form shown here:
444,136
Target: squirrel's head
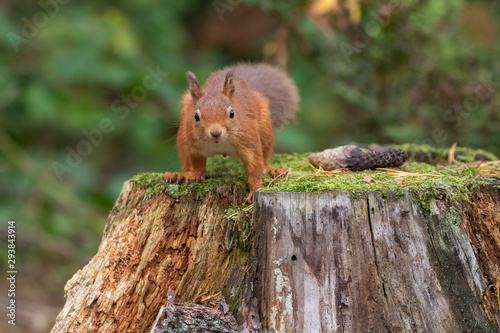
214,117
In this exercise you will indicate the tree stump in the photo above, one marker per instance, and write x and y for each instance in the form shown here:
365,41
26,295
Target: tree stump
318,262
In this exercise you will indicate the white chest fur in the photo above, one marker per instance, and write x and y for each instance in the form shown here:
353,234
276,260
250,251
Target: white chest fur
211,149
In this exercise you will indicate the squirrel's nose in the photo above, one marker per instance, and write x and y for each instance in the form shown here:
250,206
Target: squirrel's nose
215,133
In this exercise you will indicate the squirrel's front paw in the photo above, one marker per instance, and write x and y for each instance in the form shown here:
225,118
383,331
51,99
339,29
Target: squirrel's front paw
249,199
188,177
170,177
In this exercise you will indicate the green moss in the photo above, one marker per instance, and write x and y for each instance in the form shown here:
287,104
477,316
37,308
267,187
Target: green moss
453,219
424,197
230,211
153,181
455,186
454,183
244,237
433,155
422,167
145,179
114,210
220,171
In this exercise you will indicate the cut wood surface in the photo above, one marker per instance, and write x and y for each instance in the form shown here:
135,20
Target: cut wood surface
332,262
318,262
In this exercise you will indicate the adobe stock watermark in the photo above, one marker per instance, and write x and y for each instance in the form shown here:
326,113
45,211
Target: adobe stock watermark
460,112
223,6
371,30
31,27
11,272
120,107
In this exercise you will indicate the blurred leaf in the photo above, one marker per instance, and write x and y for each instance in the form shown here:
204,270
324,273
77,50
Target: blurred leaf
354,10
320,7
40,102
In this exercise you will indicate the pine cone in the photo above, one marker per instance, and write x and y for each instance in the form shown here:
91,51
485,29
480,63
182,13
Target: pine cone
352,158
380,159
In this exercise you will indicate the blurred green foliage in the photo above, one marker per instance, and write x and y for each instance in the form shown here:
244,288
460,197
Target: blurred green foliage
422,71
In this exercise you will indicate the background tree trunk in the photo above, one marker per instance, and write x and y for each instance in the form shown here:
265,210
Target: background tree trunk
318,262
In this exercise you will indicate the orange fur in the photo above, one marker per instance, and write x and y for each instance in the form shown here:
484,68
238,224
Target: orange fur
248,135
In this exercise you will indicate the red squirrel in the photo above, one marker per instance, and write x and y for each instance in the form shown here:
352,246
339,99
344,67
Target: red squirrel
233,114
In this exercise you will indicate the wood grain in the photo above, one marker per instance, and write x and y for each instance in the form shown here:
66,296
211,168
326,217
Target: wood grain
152,243
333,262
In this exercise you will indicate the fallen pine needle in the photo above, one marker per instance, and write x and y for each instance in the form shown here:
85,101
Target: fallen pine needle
404,174
319,172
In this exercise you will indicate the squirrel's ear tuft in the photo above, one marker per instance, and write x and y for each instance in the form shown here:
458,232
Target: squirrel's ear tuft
194,86
228,89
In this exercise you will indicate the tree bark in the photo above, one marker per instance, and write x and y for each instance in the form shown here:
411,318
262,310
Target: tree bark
151,243
194,318
318,262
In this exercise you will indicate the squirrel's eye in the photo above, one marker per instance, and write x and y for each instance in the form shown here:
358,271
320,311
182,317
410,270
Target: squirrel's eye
231,114
196,117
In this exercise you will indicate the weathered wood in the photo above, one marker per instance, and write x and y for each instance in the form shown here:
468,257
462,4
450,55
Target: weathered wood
149,244
194,318
332,262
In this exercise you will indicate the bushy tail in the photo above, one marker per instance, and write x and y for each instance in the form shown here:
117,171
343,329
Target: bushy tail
275,85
